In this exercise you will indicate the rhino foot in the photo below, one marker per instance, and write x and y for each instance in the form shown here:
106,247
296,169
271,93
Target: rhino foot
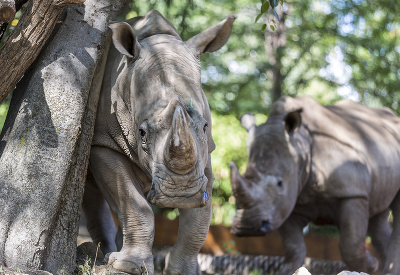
288,268
186,266
132,261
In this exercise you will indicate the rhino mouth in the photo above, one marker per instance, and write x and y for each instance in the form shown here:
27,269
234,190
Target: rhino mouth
250,226
249,231
178,191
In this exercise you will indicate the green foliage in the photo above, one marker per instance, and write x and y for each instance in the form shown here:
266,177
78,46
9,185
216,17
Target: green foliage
3,111
230,248
265,7
85,269
230,139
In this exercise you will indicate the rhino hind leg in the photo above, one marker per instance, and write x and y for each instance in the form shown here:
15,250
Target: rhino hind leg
353,225
392,264
116,178
379,230
99,220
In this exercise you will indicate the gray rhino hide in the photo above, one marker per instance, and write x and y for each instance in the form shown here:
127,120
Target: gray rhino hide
152,142
332,164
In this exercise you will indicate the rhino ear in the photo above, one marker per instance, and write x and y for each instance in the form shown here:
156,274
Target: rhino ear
124,39
213,38
247,121
293,121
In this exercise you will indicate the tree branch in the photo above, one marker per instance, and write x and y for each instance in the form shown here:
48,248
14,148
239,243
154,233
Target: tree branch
25,43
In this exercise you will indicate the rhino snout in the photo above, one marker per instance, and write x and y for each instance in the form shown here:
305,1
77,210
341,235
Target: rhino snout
265,226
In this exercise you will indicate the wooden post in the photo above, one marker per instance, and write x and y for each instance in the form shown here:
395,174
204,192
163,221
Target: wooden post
7,11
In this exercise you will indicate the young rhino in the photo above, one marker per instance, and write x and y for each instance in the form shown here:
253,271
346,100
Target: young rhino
152,143
339,164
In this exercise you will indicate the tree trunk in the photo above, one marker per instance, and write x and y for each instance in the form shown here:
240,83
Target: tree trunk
275,43
25,43
45,142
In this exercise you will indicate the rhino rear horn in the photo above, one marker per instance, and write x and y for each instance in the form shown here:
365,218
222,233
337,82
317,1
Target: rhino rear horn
240,188
180,153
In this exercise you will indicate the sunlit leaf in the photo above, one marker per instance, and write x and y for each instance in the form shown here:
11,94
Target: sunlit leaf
264,26
258,17
265,7
272,27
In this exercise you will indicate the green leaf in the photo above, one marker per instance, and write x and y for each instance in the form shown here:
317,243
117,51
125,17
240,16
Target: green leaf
258,17
281,1
272,27
265,7
264,26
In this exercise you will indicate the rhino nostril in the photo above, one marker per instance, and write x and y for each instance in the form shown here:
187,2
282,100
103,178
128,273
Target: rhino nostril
265,226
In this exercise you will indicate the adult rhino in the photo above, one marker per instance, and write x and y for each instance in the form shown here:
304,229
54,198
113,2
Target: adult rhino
310,163
152,143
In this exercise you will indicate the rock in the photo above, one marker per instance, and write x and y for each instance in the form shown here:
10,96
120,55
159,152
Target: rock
345,272
302,271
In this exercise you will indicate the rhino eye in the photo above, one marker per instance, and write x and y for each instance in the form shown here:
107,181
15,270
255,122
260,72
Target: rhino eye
143,133
205,127
280,183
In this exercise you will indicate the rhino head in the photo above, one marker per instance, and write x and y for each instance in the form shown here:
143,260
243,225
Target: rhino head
278,166
162,109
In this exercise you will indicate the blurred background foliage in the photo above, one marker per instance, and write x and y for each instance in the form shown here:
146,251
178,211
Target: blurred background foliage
328,50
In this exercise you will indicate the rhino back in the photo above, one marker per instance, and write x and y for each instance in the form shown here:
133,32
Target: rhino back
355,151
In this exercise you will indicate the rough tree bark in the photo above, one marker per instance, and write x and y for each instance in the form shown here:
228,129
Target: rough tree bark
45,142
275,42
25,43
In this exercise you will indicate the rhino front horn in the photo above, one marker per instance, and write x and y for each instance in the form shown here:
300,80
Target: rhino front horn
180,153
240,189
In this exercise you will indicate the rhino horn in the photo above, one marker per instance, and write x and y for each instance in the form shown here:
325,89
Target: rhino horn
240,188
180,153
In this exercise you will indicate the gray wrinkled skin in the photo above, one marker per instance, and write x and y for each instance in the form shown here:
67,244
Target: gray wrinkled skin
338,164
152,143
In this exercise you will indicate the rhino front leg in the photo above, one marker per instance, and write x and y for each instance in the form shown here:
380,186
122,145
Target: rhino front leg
193,229
117,178
353,225
291,233
379,231
392,264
